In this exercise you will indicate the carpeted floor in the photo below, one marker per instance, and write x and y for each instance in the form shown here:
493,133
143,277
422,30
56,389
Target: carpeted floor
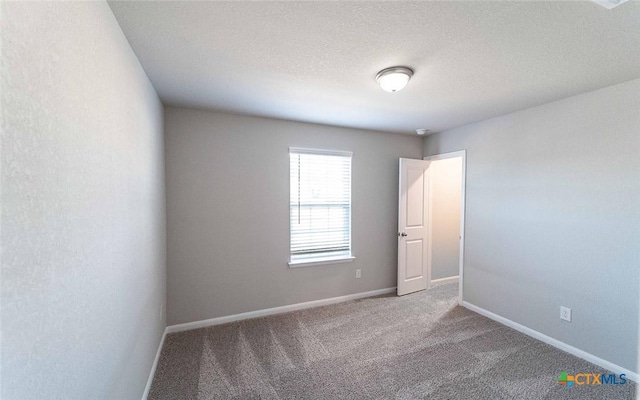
420,346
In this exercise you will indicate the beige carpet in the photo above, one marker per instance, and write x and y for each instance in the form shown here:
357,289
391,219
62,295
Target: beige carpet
420,346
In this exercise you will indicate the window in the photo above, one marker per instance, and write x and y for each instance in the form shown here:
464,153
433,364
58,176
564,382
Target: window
320,206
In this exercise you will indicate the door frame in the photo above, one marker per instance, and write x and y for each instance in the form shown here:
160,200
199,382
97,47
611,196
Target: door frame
454,154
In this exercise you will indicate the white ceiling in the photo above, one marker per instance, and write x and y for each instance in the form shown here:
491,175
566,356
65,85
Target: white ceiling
316,61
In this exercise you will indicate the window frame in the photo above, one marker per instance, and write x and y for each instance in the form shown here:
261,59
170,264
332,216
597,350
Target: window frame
339,258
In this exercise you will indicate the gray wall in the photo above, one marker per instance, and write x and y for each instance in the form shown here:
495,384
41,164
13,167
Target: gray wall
228,213
446,196
83,216
553,218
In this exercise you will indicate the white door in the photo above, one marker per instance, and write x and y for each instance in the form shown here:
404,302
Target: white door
413,226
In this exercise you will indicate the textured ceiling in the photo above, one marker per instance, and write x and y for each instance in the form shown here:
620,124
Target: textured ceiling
316,61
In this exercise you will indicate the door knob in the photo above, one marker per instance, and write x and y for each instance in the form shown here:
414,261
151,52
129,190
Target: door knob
403,234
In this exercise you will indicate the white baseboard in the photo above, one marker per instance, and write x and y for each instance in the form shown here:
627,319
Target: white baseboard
154,366
554,342
445,280
276,310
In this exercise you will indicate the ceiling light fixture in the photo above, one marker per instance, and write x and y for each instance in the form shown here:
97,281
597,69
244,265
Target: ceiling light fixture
394,79
609,4
421,131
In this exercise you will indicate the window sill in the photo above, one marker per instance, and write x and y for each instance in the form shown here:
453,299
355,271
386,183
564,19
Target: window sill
321,261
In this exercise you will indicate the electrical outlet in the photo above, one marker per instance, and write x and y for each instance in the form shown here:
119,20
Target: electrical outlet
358,273
565,313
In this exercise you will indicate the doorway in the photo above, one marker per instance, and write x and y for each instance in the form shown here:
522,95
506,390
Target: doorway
446,219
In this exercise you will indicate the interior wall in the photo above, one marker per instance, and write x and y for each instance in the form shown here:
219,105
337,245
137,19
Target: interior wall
83,209
228,213
553,218
446,197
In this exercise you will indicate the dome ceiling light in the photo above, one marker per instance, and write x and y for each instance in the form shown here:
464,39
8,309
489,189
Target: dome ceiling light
394,79
609,4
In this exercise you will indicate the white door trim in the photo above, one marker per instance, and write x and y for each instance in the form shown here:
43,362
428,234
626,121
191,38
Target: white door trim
454,154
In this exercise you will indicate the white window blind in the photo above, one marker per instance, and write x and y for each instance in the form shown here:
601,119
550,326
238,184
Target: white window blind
320,204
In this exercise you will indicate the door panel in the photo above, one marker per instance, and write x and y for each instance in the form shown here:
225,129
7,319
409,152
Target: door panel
414,249
415,197
413,226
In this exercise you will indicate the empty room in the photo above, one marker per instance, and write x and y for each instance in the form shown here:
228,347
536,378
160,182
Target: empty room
320,200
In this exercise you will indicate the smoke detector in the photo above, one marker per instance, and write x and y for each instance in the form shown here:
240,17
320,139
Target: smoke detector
422,131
